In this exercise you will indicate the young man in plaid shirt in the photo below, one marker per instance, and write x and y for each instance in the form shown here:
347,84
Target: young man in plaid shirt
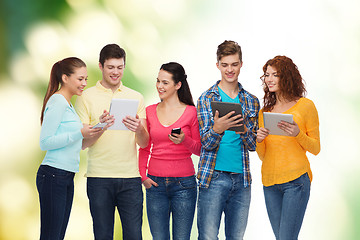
224,171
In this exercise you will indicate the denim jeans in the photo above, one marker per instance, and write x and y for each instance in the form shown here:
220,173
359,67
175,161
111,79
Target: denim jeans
227,194
106,194
286,204
56,192
175,195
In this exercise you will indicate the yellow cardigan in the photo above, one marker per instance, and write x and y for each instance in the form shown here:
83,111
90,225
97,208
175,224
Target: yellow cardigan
284,158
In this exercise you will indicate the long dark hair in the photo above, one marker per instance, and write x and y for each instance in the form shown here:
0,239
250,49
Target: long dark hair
178,75
291,84
66,66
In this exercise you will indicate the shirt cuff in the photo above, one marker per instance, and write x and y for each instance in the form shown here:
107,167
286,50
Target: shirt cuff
218,135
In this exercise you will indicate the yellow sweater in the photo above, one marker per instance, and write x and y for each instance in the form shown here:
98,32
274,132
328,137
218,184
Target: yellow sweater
284,158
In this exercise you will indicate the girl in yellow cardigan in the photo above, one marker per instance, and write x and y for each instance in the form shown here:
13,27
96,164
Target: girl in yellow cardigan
286,173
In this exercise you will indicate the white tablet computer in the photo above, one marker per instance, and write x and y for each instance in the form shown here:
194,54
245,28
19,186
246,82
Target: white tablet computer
121,108
226,107
271,121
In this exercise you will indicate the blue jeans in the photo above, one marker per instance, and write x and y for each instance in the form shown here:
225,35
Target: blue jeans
227,194
56,192
286,204
175,195
123,193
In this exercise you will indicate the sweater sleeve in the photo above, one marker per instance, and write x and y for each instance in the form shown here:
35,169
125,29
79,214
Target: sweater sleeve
53,115
310,138
144,154
261,147
193,142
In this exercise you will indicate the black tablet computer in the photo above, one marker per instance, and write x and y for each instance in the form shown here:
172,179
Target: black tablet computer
226,107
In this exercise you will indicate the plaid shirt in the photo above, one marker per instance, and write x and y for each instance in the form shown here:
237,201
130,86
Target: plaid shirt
210,140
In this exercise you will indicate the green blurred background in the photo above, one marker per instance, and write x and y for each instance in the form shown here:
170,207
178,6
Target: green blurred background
322,37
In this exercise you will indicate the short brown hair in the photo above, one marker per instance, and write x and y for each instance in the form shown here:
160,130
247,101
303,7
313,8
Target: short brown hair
111,51
228,48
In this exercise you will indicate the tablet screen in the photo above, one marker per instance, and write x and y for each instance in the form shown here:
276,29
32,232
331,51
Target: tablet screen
271,121
121,108
226,107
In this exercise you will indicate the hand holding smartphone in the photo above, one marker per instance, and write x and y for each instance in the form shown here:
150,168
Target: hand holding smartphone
100,125
176,131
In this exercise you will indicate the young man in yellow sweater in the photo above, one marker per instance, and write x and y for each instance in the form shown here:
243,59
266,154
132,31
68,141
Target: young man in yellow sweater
113,179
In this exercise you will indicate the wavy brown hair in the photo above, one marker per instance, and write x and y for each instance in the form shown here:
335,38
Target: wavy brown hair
291,84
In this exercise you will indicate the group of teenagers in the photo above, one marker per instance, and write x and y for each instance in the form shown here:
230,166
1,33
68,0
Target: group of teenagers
117,168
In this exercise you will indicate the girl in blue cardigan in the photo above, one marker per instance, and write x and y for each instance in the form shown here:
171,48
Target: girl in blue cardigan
61,136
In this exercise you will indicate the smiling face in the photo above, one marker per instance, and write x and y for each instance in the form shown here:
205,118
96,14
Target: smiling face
166,86
112,72
229,67
271,79
77,81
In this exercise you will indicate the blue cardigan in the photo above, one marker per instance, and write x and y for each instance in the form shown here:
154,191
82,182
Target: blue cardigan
61,135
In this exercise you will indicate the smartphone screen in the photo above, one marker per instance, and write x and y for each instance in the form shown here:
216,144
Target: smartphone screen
175,130
100,125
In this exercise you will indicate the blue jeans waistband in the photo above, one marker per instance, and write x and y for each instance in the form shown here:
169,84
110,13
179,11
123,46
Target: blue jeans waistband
54,171
170,178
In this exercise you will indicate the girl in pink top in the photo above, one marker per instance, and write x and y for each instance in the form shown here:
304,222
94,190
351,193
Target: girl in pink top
165,165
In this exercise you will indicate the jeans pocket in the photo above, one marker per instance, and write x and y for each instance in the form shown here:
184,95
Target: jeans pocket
60,173
215,175
187,182
65,180
151,189
296,184
40,179
300,181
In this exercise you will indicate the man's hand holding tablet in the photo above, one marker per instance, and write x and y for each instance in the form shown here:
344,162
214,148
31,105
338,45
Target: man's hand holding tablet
229,116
